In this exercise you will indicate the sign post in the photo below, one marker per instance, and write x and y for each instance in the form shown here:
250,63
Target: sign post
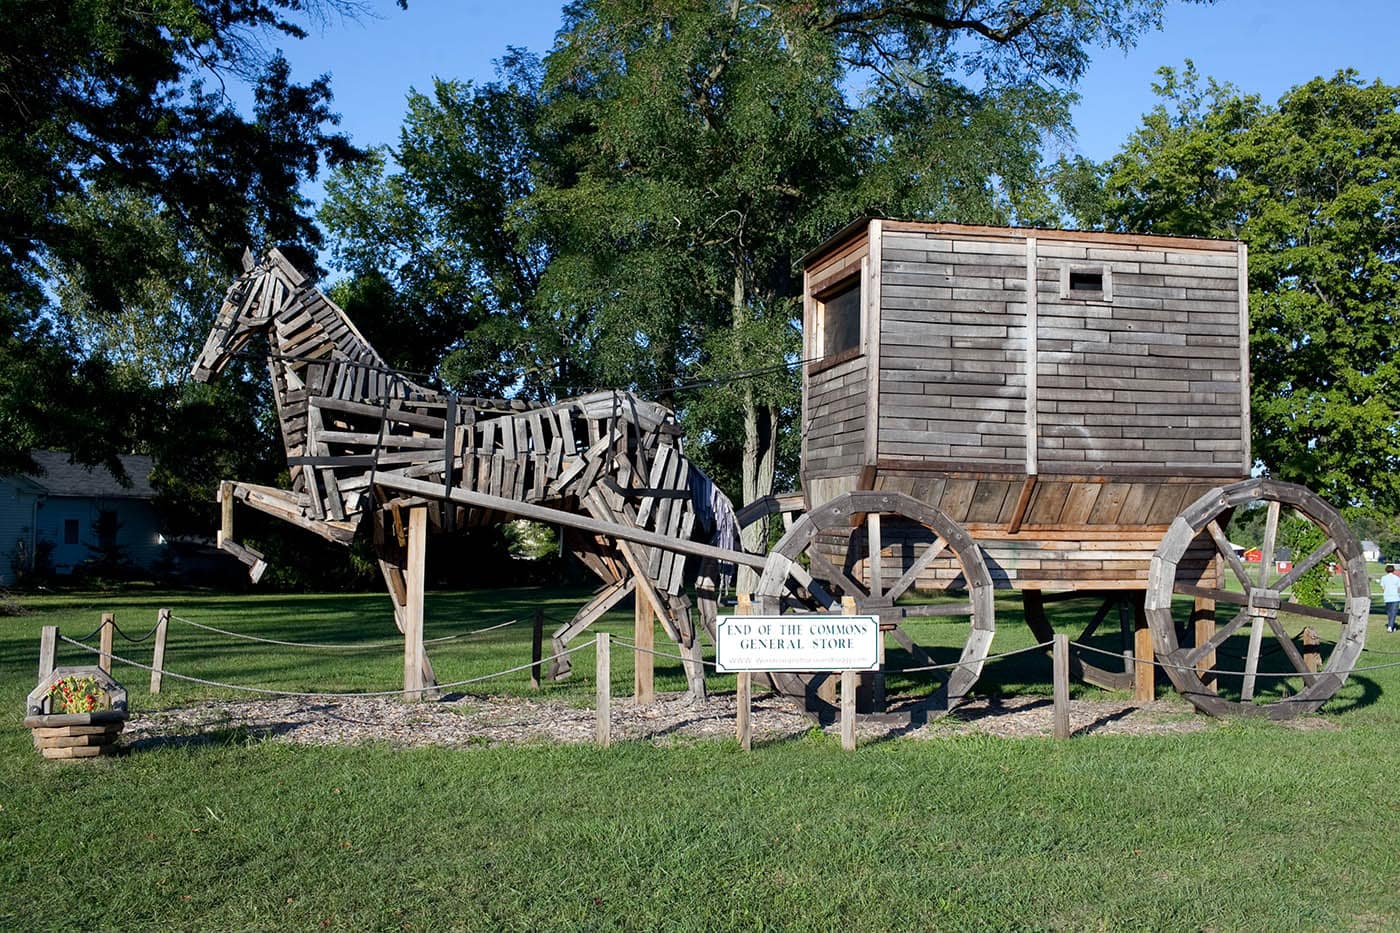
799,644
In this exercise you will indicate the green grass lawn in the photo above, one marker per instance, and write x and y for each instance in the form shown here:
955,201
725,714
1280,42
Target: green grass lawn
1246,826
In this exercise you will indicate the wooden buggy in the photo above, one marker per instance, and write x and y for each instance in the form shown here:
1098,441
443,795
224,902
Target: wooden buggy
1065,414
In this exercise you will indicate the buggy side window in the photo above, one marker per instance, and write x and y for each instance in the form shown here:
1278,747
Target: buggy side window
839,311
1086,283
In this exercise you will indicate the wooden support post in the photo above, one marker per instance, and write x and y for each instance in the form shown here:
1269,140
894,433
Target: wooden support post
1061,659
158,660
48,644
743,718
877,699
104,660
413,608
1203,619
849,679
826,689
644,640
537,649
1144,672
1312,650
604,689
743,694
225,513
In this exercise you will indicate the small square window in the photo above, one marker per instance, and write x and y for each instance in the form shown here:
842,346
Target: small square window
1085,282
70,531
840,311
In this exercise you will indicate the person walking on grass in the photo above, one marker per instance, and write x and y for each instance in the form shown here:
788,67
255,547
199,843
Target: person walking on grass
1390,592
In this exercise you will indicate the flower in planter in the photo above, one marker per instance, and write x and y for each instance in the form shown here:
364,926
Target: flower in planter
77,695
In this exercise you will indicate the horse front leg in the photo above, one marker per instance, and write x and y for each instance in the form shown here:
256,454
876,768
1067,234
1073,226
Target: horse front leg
252,559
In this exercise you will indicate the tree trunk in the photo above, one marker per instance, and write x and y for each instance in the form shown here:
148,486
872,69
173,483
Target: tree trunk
760,455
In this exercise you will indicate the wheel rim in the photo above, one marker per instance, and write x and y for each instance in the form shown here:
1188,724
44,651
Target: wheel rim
888,542
1254,645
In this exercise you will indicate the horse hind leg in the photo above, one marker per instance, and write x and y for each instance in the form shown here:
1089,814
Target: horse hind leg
603,600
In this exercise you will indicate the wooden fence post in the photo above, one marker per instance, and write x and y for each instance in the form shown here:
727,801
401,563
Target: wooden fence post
158,660
643,641
1203,616
48,644
604,688
849,679
1061,653
537,648
413,608
104,660
743,696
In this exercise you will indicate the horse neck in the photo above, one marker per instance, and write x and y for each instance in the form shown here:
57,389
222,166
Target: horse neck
318,349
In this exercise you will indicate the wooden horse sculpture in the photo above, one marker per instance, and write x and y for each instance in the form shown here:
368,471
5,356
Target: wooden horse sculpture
362,439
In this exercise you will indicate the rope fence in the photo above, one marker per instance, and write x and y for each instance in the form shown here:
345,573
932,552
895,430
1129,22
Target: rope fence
602,642
268,691
325,646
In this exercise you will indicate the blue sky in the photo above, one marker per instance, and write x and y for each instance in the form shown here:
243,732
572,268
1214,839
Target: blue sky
1263,46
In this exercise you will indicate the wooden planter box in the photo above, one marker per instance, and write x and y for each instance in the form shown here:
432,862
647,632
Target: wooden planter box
76,735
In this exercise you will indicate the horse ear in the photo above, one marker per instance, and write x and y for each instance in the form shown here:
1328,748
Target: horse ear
248,261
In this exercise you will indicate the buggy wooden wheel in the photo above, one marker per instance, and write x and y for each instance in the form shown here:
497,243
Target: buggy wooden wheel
1279,681
876,548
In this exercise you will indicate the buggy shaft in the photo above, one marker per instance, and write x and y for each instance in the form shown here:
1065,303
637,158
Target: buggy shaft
543,513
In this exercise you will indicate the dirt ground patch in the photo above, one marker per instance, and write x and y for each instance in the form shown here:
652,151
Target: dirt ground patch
461,722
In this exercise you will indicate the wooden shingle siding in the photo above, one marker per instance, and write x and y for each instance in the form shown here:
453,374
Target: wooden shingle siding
835,418
952,350
1149,379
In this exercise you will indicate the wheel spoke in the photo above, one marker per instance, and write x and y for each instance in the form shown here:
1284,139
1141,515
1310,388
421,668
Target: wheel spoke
1270,542
1312,560
1251,661
1290,649
819,592
1222,544
928,610
911,576
1316,612
1221,635
833,574
1206,592
873,546
1102,613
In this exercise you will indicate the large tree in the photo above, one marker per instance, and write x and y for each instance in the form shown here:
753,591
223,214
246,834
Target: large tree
633,215
130,179
1312,185
443,268
705,145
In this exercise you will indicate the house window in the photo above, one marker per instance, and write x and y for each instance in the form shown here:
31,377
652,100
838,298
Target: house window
839,311
70,531
1086,283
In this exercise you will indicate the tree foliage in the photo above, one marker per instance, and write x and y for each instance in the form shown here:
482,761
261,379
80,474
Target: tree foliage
130,182
441,264
632,214
1310,184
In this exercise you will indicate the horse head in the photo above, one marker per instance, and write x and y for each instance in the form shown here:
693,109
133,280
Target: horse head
249,308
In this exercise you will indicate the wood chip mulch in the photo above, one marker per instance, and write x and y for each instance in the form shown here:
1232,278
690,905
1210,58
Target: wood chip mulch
462,722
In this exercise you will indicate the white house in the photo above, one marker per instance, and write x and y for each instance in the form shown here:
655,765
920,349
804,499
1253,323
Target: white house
73,512
1370,550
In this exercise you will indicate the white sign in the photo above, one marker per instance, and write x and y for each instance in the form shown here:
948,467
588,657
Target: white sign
797,643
